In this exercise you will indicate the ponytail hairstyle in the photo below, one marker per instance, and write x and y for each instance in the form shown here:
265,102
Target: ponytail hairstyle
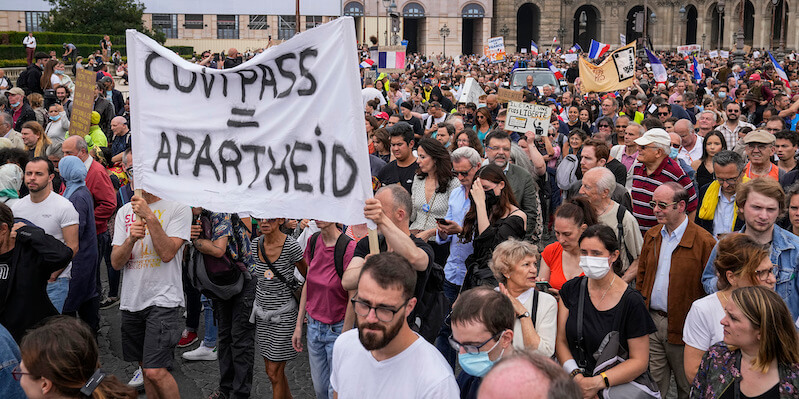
64,351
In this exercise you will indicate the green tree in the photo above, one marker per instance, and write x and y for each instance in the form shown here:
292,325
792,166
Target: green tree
109,17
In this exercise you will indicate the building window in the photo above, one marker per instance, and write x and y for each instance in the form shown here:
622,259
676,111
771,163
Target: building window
193,21
287,26
167,23
258,22
227,27
312,21
34,19
413,10
353,9
473,11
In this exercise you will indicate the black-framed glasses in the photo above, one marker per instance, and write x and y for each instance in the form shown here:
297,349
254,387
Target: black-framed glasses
677,146
471,348
762,275
730,181
663,113
459,173
601,126
505,149
758,146
18,373
661,205
383,313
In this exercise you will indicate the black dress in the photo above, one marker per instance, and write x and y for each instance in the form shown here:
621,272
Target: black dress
477,270
703,176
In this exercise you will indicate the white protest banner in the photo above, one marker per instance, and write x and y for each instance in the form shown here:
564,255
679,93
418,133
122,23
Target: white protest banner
471,91
713,54
524,117
496,49
724,54
689,49
524,50
569,57
281,135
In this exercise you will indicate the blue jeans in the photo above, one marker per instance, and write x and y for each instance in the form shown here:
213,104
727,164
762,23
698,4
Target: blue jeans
210,324
321,338
442,341
57,292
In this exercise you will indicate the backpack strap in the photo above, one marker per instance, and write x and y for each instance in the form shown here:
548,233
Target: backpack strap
312,243
338,254
534,309
620,226
581,361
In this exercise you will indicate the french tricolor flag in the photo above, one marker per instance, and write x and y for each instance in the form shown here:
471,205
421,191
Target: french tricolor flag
533,48
554,70
367,63
575,48
597,49
780,72
695,68
391,60
657,67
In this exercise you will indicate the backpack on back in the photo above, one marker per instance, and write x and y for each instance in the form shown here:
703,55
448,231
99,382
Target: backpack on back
566,174
224,277
338,253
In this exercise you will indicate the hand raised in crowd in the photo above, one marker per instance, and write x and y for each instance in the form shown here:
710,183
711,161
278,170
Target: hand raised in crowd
14,229
449,228
478,193
518,307
373,210
291,224
196,230
140,207
304,223
137,230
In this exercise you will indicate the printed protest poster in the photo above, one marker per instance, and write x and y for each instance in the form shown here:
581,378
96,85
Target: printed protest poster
82,103
471,91
614,73
496,49
689,49
265,138
724,54
524,117
505,95
713,54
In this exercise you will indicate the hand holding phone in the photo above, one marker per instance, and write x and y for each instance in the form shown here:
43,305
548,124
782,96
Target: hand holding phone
542,285
441,221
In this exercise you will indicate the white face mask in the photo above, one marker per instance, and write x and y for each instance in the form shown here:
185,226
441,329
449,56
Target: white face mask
595,267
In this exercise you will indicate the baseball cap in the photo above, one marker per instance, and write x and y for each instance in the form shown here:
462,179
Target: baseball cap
759,136
656,135
382,115
16,90
755,76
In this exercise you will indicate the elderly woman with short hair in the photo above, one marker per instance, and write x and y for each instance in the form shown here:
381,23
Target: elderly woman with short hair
514,266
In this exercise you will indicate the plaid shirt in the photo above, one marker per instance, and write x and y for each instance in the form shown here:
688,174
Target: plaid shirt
731,136
644,185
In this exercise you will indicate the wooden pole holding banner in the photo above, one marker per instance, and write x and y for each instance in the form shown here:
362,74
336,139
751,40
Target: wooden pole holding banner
374,245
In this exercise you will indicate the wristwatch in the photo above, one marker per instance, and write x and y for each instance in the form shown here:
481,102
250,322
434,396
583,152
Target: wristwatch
576,371
523,315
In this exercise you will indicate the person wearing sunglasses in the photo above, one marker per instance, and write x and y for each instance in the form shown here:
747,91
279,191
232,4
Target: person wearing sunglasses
742,262
482,334
656,168
760,202
734,123
670,267
383,357
664,112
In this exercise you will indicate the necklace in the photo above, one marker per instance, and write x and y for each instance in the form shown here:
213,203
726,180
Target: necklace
607,208
607,289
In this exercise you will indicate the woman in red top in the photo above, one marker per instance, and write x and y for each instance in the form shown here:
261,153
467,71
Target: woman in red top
560,261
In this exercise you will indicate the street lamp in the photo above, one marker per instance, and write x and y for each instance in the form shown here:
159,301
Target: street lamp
392,12
444,32
704,36
738,55
720,7
385,5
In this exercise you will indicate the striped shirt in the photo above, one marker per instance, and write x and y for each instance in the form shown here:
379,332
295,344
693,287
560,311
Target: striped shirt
644,186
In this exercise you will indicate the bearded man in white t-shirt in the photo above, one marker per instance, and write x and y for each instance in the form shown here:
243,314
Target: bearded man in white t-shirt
384,357
149,234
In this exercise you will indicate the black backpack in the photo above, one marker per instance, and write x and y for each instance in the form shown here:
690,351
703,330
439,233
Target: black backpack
338,253
620,227
22,80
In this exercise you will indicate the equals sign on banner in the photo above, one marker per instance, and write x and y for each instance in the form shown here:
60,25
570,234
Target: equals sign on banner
242,112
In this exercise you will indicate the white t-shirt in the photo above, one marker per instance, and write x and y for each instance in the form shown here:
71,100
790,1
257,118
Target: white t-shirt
29,42
55,80
417,372
703,324
50,215
370,93
147,279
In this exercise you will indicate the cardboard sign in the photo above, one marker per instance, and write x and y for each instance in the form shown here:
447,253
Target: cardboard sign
689,49
713,54
506,95
724,54
264,138
82,103
523,118
495,51
471,91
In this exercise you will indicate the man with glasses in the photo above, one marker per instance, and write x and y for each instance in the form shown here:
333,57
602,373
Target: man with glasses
669,274
690,143
760,202
717,212
734,123
525,189
383,357
774,124
482,323
759,151
664,112
656,168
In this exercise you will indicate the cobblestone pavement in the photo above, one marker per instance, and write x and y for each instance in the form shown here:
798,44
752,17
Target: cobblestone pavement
196,380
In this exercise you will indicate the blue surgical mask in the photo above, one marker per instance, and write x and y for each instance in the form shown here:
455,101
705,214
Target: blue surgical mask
700,108
108,93
722,94
15,105
55,118
478,364
674,152
57,72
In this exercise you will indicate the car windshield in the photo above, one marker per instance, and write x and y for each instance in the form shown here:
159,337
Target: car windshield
540,78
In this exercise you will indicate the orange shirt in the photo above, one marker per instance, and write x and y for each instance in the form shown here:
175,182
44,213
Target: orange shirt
553,256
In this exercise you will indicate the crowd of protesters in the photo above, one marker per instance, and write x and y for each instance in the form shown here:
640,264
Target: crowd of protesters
500,249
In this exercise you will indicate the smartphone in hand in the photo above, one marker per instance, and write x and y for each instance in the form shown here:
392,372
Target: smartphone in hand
442,221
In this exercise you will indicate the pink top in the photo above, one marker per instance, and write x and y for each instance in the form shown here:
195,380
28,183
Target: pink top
326,300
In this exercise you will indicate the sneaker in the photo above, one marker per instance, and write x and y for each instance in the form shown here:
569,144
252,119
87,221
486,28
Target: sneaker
187,338
138,379
218,394
109,302
201,353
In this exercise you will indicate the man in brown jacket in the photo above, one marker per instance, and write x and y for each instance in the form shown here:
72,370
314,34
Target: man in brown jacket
670,279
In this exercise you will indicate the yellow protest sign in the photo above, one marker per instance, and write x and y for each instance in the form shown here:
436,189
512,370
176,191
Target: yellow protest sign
616,72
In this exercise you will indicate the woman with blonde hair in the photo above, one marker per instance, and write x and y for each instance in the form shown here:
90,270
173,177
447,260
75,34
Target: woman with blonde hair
741,262
34,138
514,265
759,357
